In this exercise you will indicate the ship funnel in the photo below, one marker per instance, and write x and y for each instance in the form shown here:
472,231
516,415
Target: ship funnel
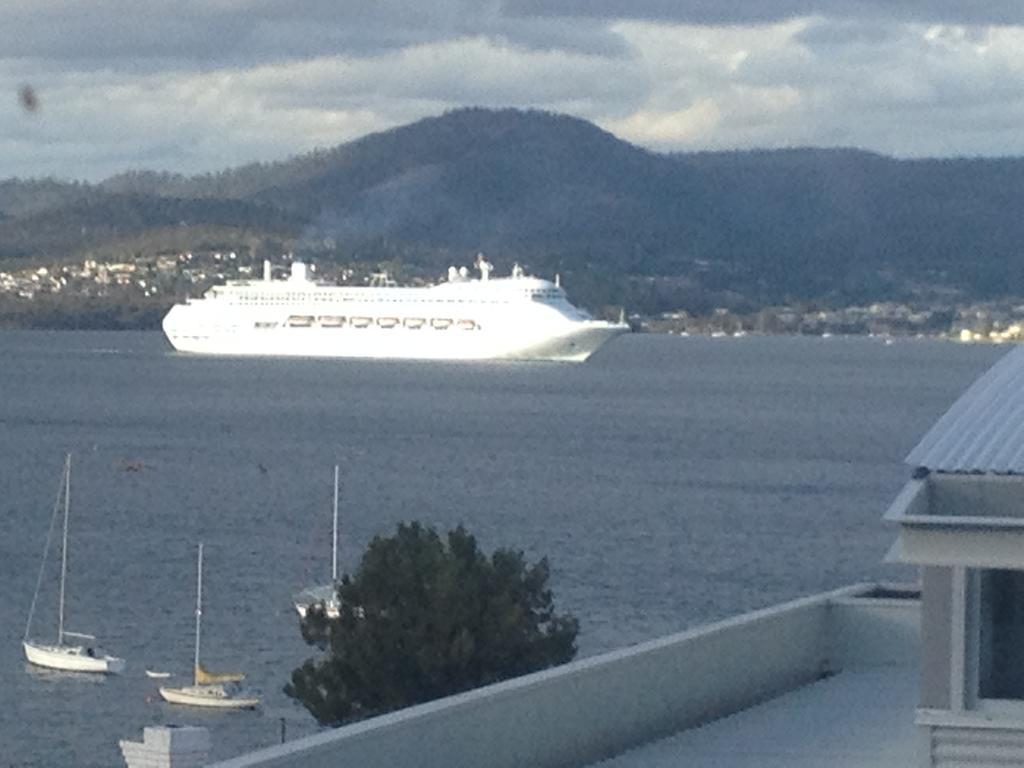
266,270
298,271
484,266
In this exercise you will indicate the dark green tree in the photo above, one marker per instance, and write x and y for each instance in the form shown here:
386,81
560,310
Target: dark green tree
425,617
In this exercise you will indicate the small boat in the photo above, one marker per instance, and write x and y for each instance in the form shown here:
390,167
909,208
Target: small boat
324,594
212,696
466,325
82,654
413,322
441,323
361,322
157,675
387,322
218,691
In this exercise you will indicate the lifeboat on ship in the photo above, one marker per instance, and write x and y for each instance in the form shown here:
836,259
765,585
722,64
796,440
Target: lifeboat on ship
387,322
441,323
414,322
466,325
361,322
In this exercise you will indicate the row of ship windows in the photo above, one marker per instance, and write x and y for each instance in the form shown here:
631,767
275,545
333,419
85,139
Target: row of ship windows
293,298
337,321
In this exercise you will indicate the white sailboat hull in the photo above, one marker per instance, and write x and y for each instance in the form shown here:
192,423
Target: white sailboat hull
71,658
208,690
326,594
331,609
78,657
209,696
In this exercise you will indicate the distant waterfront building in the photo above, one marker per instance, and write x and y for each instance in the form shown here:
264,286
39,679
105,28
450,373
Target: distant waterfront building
166,264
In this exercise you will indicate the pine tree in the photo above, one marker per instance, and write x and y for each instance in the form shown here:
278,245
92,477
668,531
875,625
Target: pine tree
425,617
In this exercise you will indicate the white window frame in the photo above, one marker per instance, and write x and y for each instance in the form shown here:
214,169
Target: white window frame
970,652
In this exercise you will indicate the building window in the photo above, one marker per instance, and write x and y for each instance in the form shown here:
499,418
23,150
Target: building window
1001,635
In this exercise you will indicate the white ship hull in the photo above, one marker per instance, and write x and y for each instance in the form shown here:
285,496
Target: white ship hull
71,658
208,696
519,318
573,344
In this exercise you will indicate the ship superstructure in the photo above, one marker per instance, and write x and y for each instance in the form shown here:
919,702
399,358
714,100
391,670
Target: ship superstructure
463,318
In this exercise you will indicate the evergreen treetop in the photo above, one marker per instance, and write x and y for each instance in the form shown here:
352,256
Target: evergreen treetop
425,617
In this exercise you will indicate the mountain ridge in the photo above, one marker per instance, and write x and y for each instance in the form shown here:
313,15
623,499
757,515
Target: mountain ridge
557,192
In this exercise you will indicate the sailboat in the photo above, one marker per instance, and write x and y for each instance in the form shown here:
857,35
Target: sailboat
326,594
81,654
208,689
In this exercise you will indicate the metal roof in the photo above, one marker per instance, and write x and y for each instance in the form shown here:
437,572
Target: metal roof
983,431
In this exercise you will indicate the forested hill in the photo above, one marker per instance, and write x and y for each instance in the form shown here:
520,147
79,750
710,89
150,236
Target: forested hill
557,192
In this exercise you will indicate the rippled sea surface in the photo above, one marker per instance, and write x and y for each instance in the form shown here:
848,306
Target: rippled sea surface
669,481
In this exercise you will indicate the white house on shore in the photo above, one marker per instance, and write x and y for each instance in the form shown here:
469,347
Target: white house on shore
871,676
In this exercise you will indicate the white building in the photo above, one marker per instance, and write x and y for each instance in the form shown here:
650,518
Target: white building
962,519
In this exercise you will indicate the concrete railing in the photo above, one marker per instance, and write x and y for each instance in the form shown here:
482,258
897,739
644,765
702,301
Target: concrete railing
876,629
591,709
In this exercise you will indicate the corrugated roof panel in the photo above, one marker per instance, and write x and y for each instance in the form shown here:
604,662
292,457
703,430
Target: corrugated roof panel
983,431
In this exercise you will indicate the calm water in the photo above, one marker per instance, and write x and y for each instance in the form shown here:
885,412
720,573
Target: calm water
670,481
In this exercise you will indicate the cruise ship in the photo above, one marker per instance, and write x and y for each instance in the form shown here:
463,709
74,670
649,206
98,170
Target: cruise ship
501,318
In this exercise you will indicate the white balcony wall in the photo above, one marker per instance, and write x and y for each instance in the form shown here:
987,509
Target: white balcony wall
591,709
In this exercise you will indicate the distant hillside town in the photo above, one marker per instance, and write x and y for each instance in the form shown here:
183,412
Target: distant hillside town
983,322
787,241
136,293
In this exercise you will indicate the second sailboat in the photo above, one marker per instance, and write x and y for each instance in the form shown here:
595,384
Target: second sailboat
211,690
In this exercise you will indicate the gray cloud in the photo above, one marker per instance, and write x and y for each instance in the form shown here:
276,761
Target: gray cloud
468,71
199,85
740,12
147,35
823,35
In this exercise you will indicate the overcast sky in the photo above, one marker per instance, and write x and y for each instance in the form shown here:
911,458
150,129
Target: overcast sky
199,85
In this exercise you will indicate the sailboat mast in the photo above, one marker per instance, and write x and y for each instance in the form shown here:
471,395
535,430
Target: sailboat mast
199,612
64,549
334,547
